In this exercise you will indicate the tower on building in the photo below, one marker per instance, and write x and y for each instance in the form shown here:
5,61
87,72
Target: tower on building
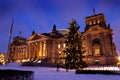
99,45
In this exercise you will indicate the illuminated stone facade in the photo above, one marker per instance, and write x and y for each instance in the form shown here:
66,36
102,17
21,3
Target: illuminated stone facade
18,49
46,46
49,47
98,41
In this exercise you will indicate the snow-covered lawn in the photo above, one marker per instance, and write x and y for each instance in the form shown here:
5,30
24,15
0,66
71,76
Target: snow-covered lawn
46,73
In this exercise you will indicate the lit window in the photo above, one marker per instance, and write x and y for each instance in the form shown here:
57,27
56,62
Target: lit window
59,51
90,23
98,21
97,52
83,45
94,22
64,45
58,45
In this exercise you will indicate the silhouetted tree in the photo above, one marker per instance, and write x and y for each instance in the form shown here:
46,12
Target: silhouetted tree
74,53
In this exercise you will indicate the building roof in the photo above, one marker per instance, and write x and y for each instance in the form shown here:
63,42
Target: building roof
18,40
53,35
94,15
20,37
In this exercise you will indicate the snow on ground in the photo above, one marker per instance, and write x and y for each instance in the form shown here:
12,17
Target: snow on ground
110,68
46,73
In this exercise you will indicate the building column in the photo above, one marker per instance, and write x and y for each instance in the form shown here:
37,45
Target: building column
40,50
29,52
44,49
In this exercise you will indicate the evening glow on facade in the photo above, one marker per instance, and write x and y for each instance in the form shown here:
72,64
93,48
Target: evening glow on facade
49,47
97,25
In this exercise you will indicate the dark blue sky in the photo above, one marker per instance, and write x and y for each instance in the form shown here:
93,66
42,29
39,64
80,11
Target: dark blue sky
40,15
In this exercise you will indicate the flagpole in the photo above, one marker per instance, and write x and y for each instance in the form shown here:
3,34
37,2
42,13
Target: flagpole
10,35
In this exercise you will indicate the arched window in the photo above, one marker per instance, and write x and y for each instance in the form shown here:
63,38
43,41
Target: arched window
96,41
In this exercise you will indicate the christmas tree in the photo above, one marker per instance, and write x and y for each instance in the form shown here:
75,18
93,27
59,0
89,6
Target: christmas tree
74,53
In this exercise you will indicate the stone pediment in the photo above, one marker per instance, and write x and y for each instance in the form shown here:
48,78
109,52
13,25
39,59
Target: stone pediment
36,37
